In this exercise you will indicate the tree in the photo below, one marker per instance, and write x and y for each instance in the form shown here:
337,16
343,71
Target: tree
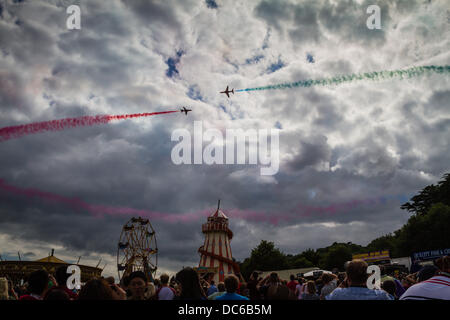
421,204
336,256
425,232
299,261
386,242
265,257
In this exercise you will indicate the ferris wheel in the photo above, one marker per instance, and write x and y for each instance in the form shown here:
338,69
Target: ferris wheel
137,249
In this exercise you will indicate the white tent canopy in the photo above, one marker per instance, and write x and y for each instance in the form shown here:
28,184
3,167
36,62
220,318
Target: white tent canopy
312,273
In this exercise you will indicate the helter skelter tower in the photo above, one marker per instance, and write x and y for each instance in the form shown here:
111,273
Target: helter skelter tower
216,251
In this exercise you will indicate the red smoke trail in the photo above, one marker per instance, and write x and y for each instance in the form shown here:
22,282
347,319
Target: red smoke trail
7,133
100,210
274,218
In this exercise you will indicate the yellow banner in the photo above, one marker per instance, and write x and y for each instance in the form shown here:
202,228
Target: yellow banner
372,256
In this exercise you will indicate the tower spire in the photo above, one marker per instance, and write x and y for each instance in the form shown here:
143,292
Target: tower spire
218,205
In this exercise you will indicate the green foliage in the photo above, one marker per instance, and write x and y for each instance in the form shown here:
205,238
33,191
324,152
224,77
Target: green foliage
264,257
420,204
425,232
386,242
336,256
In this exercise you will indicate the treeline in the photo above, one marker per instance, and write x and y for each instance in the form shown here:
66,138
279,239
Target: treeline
428,228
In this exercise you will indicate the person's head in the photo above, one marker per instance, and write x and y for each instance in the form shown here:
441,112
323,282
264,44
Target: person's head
357,272
443,264
273,278
255,275
96,289
326,278
61,276
292,277
38,282
189,284
110,280
389,286
57,294
221,287
382,270
311,287
125,282
426,273
137,284
212,282
231,283
164,279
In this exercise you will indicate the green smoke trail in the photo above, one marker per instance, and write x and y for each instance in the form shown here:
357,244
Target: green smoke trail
377,75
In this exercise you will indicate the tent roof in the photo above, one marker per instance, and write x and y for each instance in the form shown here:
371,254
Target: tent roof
51,259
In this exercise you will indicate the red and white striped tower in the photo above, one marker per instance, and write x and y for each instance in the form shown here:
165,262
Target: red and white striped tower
216,250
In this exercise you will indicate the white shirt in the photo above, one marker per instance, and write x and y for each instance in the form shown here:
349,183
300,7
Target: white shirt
299,288
165,294
437,287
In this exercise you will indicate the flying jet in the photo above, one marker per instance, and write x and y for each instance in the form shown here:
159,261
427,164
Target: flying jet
227,92
185,110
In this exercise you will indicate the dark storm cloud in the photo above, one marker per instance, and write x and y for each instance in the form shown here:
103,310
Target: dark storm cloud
328,156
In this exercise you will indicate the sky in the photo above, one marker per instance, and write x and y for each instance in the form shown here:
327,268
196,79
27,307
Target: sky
350,154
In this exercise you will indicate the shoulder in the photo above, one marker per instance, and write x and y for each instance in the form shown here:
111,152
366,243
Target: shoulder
383,295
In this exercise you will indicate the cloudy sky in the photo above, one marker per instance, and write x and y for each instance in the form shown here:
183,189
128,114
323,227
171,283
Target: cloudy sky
362,147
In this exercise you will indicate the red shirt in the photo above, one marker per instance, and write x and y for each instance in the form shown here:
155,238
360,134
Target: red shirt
292,284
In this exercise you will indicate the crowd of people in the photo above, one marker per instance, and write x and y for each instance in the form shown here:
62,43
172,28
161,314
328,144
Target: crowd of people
431,282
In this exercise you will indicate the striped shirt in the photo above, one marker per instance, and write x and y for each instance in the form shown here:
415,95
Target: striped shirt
437,287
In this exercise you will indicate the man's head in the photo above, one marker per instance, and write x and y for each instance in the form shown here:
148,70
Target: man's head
137,283
110,280
212,282
38,282
221,287
61,276
292,277
357,272
389,286
96,289
164,279
443,264
273,278
231,283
